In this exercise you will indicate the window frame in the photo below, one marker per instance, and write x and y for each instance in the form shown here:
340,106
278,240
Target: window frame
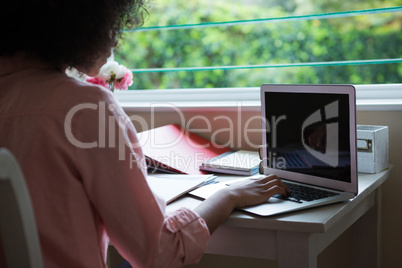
373,97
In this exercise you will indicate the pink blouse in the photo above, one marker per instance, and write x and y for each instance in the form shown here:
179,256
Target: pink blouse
86,176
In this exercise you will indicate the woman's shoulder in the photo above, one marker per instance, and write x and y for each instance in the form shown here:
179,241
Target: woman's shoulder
66,92
84,91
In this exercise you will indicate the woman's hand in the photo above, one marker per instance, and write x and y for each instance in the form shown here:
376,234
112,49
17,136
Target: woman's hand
220,205
255,191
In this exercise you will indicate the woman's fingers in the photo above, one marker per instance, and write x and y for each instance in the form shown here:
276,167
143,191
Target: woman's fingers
276,190
272,181
257,190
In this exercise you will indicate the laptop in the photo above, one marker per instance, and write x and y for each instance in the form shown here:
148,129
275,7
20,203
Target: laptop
309,141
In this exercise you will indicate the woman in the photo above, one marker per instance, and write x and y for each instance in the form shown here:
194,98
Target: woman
84,186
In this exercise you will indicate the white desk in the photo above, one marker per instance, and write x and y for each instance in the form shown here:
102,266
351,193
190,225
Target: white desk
295,239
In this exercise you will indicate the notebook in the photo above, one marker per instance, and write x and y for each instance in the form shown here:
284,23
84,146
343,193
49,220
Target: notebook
172,186
239,162
309,139
174,149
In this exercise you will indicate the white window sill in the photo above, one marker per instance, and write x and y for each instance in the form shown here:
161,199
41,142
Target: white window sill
378,97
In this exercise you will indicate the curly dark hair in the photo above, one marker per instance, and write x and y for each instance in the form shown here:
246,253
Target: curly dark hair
66,32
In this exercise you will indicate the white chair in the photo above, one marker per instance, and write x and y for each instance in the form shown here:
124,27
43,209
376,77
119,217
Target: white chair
19,236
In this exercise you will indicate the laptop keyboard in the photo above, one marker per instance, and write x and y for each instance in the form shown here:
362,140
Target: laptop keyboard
300,193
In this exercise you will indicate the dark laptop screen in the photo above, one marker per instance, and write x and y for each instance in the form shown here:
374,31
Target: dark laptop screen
309,133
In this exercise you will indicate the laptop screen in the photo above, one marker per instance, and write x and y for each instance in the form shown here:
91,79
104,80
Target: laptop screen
309,133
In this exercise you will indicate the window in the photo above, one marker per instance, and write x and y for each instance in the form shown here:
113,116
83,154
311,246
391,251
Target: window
242,44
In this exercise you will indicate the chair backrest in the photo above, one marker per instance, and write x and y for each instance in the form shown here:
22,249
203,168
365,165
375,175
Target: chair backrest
19,237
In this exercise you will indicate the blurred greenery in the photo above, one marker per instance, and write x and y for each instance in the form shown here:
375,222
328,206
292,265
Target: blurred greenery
338,39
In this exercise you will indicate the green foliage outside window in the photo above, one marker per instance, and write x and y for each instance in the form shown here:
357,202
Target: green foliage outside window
339,39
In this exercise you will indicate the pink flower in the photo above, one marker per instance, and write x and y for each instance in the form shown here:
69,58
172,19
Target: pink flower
97,81
112,76
124,82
